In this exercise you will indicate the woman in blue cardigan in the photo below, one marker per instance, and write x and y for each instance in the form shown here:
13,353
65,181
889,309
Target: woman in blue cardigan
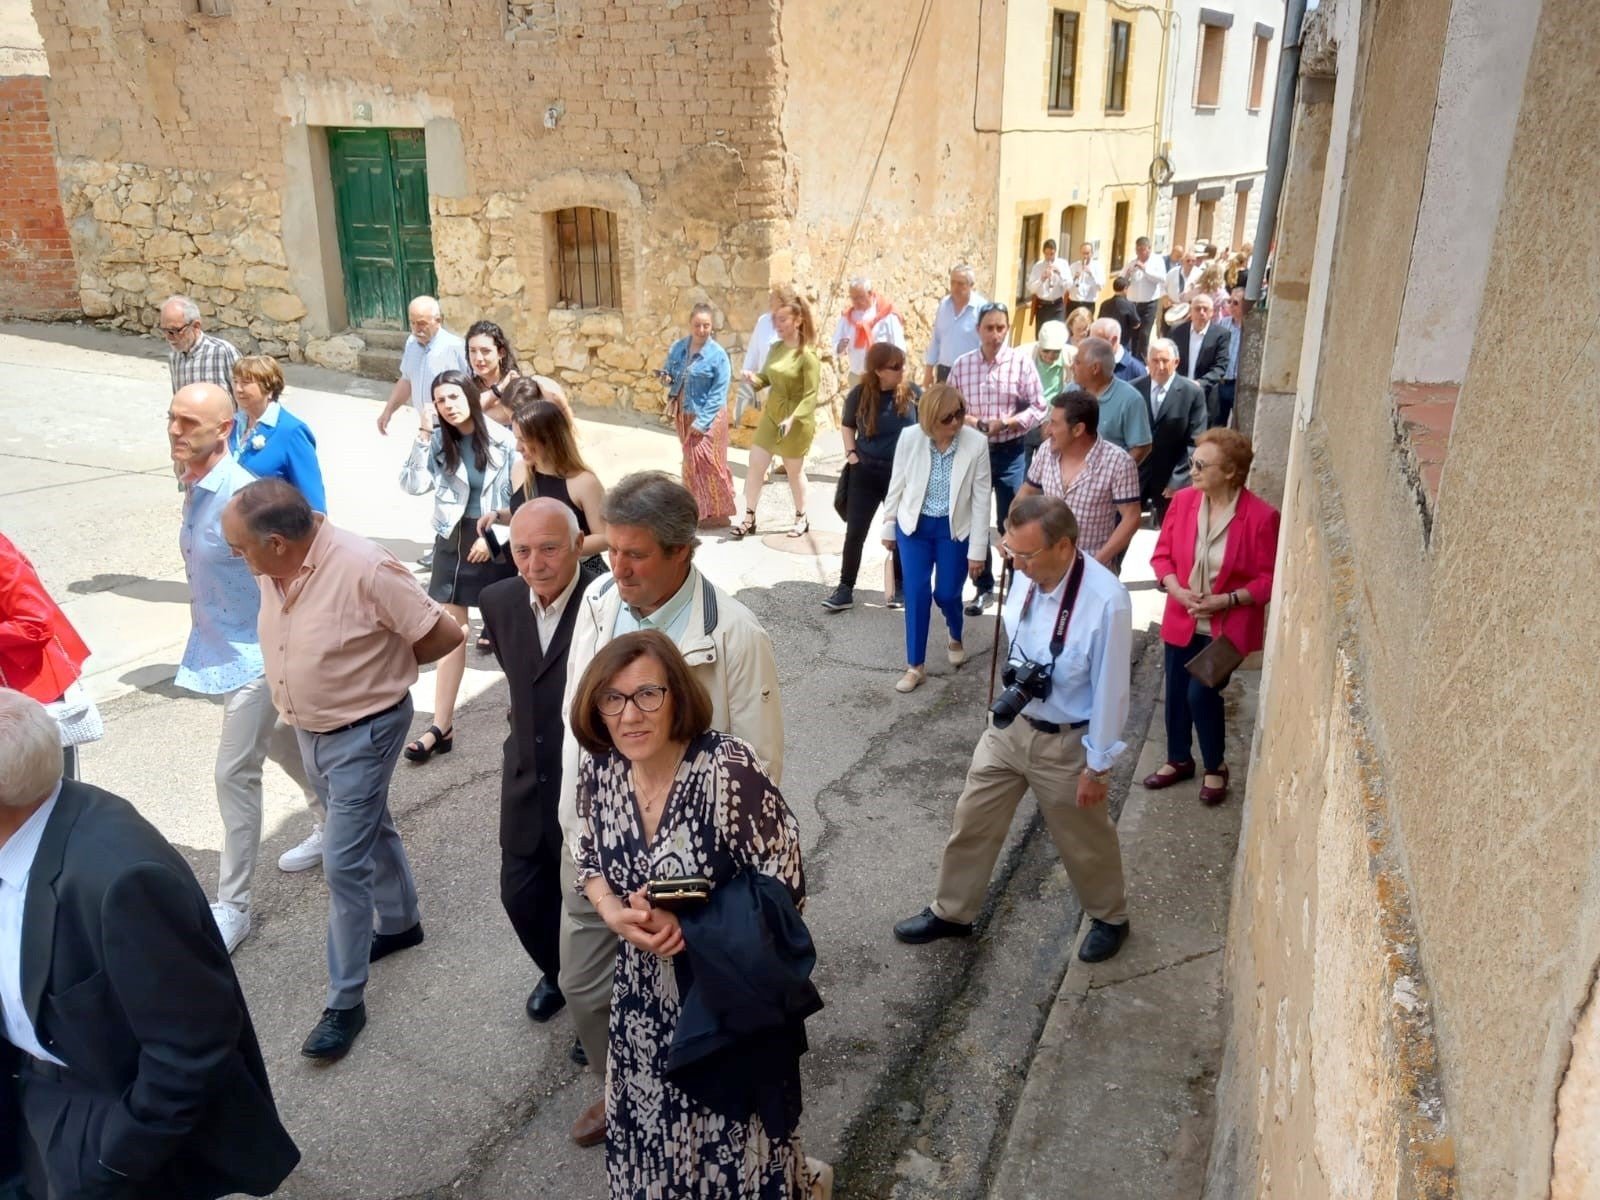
268,439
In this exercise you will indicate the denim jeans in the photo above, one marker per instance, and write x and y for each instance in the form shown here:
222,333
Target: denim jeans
1193,709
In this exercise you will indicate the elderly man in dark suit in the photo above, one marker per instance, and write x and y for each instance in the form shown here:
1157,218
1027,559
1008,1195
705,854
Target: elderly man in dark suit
529,619
129,1069
1202,350
1178,416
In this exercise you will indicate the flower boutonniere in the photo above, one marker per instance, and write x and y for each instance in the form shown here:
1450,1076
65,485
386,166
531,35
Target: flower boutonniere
257,442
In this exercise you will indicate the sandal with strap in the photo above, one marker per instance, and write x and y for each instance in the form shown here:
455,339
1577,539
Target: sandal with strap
745,527
801,526
443,743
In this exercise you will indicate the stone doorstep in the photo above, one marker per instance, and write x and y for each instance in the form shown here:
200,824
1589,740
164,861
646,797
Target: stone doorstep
1119,1099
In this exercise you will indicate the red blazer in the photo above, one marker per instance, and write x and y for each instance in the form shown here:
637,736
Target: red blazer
1247,562
41,653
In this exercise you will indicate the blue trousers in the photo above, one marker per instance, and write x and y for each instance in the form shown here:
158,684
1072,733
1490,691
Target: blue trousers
933,566
1008,469
1192,709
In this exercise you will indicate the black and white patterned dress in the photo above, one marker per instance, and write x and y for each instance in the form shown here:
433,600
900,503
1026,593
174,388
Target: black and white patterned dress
722,816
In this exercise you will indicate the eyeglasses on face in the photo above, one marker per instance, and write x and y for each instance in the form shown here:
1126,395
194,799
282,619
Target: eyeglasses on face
1199,464
951,418
1023,555
647,699
172,331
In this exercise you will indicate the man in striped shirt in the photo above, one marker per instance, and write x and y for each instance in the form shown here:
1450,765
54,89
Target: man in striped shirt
1004,400
193,355
1098,480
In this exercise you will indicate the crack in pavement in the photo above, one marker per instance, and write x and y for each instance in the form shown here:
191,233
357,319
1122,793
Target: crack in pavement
1177,962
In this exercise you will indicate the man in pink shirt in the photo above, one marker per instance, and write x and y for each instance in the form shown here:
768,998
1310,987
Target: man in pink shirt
343,629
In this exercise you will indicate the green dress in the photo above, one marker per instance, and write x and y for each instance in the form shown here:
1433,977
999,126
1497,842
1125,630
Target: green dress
795,377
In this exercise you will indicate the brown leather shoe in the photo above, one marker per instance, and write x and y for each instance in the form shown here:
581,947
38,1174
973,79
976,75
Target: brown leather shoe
1213,796
1157,780
590,1127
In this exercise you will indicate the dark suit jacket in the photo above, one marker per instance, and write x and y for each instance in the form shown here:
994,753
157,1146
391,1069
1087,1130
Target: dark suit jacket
126,980
530,779
1210,365
1183,418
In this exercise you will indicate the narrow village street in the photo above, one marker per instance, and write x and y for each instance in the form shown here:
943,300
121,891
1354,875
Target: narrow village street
919,1056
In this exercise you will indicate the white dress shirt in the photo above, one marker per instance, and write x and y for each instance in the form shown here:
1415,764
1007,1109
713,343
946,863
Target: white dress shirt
16,862
1158,393
1086,280
1092,675
1177,283
1197,339
548,618
762,338
1048,280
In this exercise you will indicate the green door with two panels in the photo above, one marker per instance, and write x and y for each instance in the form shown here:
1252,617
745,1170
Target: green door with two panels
380,191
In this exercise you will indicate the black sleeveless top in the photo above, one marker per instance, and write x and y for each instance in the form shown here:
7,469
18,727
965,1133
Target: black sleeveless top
553,486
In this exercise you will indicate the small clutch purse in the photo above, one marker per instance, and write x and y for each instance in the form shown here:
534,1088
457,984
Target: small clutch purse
675,895
1214,665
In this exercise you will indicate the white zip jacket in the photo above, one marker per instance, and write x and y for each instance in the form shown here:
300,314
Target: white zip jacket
424,468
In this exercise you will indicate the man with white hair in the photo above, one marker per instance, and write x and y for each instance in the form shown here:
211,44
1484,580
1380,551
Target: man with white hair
1178,416
1128,368
128,1063
430,351
1124,419
869,319
193,355
955,325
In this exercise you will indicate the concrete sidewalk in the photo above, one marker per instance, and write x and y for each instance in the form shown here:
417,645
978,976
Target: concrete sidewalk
1119,1100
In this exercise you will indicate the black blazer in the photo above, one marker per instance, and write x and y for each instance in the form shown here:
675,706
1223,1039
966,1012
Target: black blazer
126,980
530,778
1183,418
1211,363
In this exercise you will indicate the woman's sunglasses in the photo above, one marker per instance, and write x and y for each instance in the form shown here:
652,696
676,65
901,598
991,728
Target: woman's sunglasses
951,418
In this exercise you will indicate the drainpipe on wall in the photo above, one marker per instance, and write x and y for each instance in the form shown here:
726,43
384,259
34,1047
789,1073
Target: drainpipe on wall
1277,147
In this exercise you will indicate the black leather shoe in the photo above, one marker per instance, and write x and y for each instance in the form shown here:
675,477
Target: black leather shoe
385,944
577,1055
545,1001
929,926
335,1033
1103,940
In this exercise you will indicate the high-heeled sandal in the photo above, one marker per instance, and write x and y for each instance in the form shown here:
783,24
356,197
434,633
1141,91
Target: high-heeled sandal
443,743
801,525
745,527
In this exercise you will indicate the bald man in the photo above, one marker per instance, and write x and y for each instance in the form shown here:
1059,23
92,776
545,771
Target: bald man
223,654
529,619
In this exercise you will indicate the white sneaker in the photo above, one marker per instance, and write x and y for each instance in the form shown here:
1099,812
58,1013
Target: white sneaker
232,924
306,855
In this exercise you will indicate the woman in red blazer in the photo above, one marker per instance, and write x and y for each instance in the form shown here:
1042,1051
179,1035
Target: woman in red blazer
1214,559
41,654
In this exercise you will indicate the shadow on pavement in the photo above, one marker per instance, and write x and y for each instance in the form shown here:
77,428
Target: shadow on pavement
134,587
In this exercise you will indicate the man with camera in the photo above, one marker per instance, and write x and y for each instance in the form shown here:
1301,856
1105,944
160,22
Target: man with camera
1057,728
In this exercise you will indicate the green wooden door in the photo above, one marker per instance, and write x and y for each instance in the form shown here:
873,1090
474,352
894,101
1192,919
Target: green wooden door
380,187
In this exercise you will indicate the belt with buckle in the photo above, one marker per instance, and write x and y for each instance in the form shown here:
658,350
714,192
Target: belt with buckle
383,712
1051,726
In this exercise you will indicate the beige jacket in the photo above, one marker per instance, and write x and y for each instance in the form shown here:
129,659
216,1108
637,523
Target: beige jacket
729,653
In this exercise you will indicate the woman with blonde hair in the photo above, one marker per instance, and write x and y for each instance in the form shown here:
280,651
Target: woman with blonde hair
788,421
1078,322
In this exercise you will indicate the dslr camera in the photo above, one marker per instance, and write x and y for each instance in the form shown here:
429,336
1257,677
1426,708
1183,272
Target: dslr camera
1025,681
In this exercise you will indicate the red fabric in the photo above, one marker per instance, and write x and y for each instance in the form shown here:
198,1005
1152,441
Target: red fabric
1247,565
705,466
881,309
40,652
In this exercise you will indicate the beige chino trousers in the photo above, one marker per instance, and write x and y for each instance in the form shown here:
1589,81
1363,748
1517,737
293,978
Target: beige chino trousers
588,965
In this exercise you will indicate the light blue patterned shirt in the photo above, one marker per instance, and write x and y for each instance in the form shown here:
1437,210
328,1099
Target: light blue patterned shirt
936,503
421,365
224,651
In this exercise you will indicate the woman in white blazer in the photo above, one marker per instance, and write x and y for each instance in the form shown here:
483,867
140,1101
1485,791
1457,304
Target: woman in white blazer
937,517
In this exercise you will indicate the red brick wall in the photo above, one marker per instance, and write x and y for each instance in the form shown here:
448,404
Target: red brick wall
38,277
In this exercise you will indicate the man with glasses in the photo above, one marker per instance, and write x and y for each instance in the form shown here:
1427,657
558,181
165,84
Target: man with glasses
529,620
1004,400
1058,734
193,355
651,523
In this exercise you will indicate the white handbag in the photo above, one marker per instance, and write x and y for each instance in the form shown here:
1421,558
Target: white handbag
77,717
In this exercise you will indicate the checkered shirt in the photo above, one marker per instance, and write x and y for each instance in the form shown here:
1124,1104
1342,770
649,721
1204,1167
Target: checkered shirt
1008,386
211,361
1109,477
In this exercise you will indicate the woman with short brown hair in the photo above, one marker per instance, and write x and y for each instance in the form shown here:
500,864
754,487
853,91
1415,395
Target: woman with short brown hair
267,438
663,797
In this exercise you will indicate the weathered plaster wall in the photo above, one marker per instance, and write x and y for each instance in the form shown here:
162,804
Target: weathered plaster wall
1420,876
183,128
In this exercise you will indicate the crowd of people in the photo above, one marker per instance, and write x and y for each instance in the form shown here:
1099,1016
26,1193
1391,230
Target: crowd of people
650,867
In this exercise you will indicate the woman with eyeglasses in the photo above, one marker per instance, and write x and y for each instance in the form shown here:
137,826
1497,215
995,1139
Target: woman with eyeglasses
936,514
663,797
1214,559
876,412
466,460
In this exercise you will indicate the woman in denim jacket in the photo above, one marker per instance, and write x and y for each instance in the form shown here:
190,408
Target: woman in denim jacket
697,376
466,460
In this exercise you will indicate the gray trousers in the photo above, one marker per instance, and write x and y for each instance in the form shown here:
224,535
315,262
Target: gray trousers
588,965
362,858
251,733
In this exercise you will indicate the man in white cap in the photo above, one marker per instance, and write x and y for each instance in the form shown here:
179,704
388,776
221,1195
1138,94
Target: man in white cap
1051,361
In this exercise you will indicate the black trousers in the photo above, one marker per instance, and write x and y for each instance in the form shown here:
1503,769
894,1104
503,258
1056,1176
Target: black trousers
530,891
1225,391
1050,310
869,484
1146,331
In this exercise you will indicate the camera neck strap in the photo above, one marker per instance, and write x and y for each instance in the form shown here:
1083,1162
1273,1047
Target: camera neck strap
1069,600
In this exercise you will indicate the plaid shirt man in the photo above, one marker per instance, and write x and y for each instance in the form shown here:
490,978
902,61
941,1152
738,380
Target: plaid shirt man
1109,477
209,360
1007,387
